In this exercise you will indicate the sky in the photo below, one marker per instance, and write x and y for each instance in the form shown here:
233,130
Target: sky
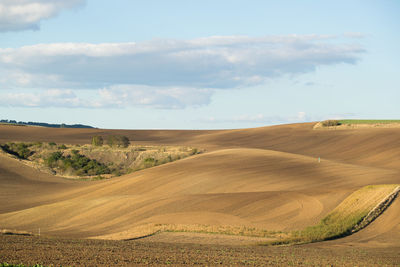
190,64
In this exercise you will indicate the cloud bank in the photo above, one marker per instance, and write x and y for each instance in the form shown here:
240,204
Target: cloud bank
263,119
168,73
17,15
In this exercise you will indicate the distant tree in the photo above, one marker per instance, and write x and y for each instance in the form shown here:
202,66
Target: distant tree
328,123
97,140
110,140
118,141
124,141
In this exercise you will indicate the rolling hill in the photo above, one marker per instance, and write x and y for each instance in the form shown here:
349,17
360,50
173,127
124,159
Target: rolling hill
264,178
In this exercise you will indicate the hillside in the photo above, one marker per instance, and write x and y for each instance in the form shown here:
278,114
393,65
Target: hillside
265,178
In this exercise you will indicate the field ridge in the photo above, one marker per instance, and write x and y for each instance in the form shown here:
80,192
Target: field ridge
353,214
377,210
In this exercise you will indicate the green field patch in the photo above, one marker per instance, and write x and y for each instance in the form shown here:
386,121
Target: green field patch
355,124
368,121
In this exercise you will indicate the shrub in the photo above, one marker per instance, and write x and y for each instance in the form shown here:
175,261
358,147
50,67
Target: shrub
38,144
149,162
79,164
97,140
52,144
328,123
62,147
51,161
19,150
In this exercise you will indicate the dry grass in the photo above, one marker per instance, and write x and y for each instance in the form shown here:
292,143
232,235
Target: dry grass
152,229
219,229
120,160
344,218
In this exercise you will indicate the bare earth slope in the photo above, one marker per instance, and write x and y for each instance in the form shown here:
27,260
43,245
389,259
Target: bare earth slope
266,178
23,187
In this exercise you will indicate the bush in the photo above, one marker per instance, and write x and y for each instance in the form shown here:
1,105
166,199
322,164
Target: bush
118,141
38,144
51,161
328,123
62,147
79,164
97,140
19,150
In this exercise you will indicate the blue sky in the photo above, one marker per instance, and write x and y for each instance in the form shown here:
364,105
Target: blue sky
198,64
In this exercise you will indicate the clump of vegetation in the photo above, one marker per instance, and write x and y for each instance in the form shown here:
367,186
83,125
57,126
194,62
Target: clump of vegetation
150,162
331,227
329,123
20,150
118,141
95,161
62,146
76,164
38,144
97,140
368,121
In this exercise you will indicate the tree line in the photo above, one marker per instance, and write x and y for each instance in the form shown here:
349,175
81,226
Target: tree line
44,124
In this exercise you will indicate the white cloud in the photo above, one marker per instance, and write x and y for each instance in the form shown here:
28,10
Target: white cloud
355,35
16,15
262,119
118,96
169,73
154,97
49,98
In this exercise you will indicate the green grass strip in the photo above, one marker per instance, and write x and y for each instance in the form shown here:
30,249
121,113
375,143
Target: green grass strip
343,219
368,121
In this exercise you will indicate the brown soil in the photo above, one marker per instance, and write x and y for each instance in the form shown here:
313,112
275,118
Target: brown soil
265,178
78,252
